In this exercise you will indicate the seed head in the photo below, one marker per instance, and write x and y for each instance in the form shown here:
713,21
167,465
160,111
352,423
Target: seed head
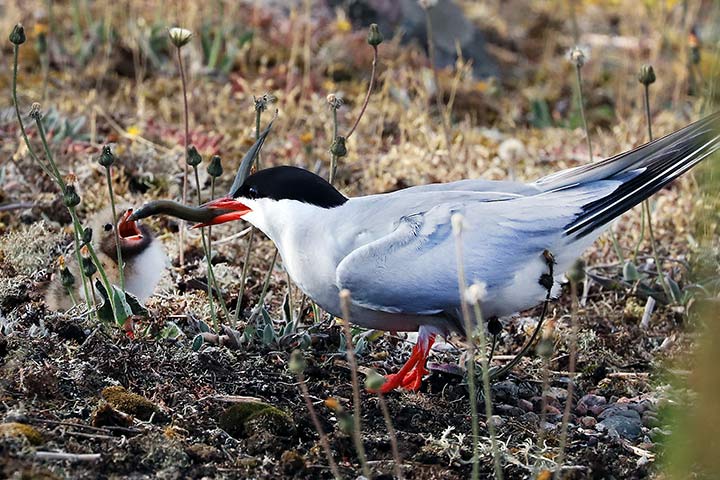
374,381
215,169
35,111
297,362
577,57
180,36
193,157
647,75
70,196
334,101
263,101
374,38
475,293
106,157
338,147
17,36
67,278
457,223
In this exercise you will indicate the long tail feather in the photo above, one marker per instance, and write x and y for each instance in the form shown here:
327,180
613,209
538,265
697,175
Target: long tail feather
642,171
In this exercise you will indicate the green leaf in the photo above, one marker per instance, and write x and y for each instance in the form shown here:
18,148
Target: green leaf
675,291
104,311
136,307
197,343
268,334
204,327
171,331
630,272
122,307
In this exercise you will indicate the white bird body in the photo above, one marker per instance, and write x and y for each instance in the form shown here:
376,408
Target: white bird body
396,252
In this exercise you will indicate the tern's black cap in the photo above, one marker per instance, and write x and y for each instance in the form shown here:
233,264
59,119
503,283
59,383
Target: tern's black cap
290,183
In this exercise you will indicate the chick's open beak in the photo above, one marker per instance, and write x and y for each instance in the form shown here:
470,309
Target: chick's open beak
128,229
234,211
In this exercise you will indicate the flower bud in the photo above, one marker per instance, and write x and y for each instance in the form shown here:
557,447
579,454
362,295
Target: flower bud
87,236
193,158
17,36
374,38
67,278
180,36
89,268
297,362
106,157
215,168
70,196
374,381
338,147
647,75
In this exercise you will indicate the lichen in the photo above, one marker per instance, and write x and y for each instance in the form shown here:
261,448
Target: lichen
28,249
128,402
243,419
18,430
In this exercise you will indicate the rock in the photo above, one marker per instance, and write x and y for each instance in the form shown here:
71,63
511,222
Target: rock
588,422
497,421
525,405
21,431
509,410
243,419
559,394
531,418
592,441
594,404
132,403
505,392
552,411
619,420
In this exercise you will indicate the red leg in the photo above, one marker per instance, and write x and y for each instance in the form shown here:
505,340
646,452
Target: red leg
410,375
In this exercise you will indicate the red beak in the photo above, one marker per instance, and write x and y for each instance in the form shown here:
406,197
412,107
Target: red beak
237,210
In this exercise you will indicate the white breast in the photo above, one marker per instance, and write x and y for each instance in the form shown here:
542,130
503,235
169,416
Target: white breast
143,273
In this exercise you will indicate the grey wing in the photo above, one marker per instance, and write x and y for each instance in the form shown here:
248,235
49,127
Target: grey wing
413,269
498,187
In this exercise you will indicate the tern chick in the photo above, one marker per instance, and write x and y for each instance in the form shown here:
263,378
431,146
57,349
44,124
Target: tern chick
143,257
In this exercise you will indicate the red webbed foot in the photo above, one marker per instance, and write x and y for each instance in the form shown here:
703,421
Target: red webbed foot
410,375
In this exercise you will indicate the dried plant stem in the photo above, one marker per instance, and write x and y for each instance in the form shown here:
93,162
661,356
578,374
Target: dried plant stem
211,277
243,278
333,157
457,221
121,265
350,351
436,79
367,95
646,204
393,436
581,101
486,391
571,377
186,137
50,169
318,426
266,282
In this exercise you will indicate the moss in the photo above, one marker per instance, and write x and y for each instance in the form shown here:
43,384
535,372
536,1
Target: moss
243,419
17,430
25,251
131,403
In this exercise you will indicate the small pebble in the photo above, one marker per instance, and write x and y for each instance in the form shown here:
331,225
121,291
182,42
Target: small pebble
497,421
588,422
525,405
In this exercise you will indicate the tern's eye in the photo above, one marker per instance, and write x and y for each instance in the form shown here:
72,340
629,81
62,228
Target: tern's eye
253,192
108,227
